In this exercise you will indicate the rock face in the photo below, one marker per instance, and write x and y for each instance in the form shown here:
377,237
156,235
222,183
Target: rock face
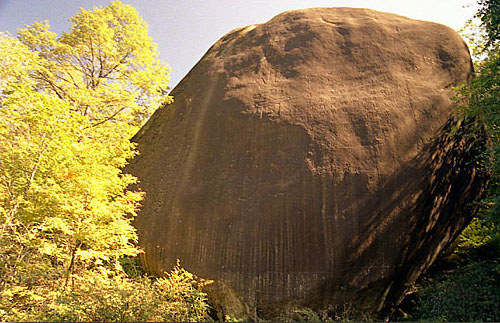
306,160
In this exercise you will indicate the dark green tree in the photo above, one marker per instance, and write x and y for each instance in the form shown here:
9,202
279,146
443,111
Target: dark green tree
489,13
480,99
468,290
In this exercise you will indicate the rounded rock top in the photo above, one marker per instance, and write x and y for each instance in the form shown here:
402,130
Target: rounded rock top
308,160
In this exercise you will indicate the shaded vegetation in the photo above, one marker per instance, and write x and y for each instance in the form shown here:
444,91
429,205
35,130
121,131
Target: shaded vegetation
465,284
471,292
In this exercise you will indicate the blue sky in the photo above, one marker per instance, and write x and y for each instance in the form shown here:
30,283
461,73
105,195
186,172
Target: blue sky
185,29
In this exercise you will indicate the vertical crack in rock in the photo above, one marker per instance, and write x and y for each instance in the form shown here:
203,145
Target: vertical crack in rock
308,160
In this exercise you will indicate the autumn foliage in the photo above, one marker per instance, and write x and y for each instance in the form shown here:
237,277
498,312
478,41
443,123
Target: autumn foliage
68,106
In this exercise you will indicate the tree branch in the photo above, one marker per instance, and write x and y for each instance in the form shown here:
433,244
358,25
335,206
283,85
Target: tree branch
106,119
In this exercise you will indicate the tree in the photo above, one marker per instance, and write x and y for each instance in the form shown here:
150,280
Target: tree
480,99
489,13
465,287
106,66
68,107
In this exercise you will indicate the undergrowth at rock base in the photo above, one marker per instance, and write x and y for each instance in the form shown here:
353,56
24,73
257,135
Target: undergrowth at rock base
110,297
471,293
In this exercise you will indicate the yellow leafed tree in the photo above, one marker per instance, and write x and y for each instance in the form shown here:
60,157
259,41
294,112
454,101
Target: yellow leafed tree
68,107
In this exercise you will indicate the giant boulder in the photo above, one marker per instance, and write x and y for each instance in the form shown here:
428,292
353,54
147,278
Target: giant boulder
308,160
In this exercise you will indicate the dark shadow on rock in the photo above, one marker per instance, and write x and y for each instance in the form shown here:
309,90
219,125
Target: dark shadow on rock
450,176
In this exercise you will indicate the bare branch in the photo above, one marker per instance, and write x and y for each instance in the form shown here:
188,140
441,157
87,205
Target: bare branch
106,119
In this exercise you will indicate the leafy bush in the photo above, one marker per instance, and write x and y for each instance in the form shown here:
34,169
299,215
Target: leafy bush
480,240
181,295
111,297
472,293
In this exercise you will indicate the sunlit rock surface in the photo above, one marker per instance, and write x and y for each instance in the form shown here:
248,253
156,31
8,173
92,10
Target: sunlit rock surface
306,160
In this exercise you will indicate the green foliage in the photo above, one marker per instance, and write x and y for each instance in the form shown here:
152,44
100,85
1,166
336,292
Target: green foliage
479,101
299,313
474,36
489,13
471,290
305,314
472,293
479,241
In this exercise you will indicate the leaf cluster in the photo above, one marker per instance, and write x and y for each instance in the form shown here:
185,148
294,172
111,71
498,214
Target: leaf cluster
102,296
470,290
472,293
479,100
68,107
489,13
106,66
183,296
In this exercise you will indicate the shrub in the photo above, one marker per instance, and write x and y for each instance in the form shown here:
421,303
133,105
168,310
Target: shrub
471,293
109,296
